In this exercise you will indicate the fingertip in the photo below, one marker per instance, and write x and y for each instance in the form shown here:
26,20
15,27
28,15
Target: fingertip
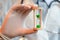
29,6
34,7
35,29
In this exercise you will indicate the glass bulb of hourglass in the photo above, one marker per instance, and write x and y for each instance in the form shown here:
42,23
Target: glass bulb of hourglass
38,26
38,15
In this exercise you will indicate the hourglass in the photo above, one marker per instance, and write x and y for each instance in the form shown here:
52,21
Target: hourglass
37,16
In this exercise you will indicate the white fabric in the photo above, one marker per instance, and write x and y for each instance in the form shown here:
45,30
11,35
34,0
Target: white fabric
52,23
52,19
48,2
54,3
44,7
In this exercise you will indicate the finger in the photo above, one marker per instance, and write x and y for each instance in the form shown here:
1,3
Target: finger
29,31
23,9
33,6
17,6
35,29
26,32
26,13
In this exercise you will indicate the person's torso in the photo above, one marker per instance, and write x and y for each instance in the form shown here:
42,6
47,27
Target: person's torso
52,22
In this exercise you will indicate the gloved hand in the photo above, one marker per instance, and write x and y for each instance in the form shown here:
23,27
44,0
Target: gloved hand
14,25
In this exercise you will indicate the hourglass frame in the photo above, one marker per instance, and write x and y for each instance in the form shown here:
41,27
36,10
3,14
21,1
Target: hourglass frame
38,17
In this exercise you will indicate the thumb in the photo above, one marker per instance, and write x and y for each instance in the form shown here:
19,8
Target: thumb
35,29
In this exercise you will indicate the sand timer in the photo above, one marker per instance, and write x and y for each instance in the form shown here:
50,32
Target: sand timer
37,16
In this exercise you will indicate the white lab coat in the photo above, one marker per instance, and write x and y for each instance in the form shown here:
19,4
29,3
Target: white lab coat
52,23
54,3
48,2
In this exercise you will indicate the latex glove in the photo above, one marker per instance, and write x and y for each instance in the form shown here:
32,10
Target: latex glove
14,27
